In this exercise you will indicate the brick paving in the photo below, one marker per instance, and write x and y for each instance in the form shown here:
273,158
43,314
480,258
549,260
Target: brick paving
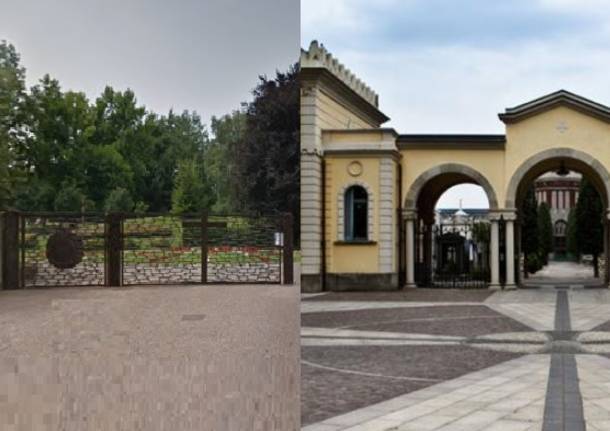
488,366
328,393
419,295
465,320
153,358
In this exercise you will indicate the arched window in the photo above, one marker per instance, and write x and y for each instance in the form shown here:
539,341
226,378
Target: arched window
356,213
560,228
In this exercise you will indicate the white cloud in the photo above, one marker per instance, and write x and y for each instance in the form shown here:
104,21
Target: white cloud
435,86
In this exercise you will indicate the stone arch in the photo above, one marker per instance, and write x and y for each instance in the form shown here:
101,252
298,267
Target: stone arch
575,160
450,168
370,211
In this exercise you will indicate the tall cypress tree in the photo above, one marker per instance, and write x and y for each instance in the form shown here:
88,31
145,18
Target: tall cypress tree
572,234
545,231
590,230
529,229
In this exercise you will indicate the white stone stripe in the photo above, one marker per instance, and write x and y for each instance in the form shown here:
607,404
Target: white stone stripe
361,373
350,333
508,396
327,306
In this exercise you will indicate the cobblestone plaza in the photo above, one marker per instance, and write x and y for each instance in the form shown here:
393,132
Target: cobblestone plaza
433,359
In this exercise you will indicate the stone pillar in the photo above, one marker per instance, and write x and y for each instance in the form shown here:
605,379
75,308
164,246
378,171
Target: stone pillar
311,222
410,217
607,248
510,252
495,254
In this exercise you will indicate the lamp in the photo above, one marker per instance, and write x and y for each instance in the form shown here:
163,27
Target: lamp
562,171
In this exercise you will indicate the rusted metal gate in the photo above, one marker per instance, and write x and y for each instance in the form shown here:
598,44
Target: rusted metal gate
69,249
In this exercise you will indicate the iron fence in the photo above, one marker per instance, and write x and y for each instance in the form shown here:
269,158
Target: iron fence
90,249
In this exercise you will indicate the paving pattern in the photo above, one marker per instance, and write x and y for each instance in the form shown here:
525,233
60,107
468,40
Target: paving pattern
514,360
150,358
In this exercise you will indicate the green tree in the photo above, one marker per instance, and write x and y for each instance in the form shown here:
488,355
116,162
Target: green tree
529,232
220,158
266,177
190,193
70,198
572,235
35,195
590,229
12,99
105,170
545,231
119,201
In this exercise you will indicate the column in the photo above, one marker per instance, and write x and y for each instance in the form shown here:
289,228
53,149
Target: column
495,255
410,248
607,248
510,253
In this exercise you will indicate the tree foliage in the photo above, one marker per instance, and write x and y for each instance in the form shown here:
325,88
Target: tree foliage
58,149
529,232
69,198
119,201
545,231
190,192
12,99
572,234
266,176
589,226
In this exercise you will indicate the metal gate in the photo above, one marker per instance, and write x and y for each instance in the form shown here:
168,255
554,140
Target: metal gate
69,249
452,256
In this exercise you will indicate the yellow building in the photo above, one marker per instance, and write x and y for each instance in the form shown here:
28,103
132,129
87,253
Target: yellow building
368,193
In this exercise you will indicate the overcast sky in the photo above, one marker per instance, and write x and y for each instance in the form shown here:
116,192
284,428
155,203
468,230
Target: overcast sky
202,55
447,66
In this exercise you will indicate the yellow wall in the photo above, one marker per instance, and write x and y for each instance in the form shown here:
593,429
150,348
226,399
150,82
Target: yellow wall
333,115
342,258
490,163
524,140
539,133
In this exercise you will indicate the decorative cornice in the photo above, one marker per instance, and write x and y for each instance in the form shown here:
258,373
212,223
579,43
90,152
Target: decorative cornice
318,57
450,141
342,93
349,152
550,101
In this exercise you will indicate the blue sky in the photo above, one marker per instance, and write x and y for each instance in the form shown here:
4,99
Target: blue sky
448,66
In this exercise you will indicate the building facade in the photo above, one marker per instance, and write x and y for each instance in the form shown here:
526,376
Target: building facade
367,192
560,192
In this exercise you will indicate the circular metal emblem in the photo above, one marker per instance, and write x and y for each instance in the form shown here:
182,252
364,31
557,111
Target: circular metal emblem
64,249
354,169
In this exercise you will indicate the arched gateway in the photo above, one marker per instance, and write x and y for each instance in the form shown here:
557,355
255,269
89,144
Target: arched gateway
343,144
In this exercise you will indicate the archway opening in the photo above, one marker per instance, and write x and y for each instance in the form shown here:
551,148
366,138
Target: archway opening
561,227
452,231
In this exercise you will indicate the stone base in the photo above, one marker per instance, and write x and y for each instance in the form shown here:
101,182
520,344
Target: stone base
410,286
361,282
510,287
495,287
311,283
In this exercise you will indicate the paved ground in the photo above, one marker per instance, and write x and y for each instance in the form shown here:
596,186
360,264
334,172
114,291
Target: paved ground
566,272
534,359
154,358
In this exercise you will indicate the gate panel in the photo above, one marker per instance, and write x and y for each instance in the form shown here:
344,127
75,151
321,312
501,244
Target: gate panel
452,256
161,249
71,249
244,249
61,249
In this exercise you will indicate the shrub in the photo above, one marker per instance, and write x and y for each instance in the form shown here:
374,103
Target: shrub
118,201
